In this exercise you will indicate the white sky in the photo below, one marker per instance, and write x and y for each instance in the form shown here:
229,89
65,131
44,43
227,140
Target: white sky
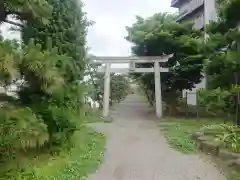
106,36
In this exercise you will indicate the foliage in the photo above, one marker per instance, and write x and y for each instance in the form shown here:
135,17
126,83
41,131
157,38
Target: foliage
118,88
162,35
96,81
229,135
216,101
9,62
41,77
60,122
45,68
84,157
178,132
64,37
25,10
178,138
67,32
223,51
40,73
222,48
119,85
20,128
43,114
81,157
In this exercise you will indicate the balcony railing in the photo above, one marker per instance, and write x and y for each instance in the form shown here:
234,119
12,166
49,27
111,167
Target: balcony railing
181,15
174,3
192,6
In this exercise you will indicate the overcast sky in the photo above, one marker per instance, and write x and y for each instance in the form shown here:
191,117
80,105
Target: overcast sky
106,37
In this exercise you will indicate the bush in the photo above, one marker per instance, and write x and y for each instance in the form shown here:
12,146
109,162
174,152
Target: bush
229,135
60,122
216,101
83,156
48,96
20,128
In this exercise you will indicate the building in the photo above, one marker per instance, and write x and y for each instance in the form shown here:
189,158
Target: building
190,10
200,12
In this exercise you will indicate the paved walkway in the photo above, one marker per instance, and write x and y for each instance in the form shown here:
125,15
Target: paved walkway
136,150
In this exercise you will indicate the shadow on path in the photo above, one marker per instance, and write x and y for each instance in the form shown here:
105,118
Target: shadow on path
137,151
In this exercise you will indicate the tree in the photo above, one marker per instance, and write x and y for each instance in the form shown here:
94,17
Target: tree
119,87
161,35
66,33
48,65
25,10
224,41
223,51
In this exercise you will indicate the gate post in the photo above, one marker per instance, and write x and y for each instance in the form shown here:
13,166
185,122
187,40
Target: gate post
158,94
106,90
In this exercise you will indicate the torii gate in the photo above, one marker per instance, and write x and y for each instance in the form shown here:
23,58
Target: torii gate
132,69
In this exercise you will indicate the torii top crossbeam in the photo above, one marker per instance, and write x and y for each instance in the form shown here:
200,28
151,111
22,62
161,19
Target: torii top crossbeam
127,59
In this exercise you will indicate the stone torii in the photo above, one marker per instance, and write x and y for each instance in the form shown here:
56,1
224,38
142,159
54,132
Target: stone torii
132,60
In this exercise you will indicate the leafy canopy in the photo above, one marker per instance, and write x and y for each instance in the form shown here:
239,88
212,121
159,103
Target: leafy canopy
45,67
223,45
159,35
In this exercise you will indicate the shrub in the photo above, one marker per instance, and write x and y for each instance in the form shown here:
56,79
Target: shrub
215,101
60,122
229,135
20,128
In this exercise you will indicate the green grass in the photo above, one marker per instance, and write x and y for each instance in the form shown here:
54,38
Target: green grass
178,132
84,157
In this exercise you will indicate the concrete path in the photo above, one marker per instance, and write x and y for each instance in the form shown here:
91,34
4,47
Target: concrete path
136,150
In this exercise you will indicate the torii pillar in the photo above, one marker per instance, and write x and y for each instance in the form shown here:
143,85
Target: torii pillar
158,92
106,94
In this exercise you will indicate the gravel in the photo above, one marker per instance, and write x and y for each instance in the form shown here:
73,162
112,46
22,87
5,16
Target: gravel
136,150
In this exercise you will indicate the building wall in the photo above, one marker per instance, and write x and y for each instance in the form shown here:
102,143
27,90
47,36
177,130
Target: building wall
197,17
184,6
200,11
189,6
192,94
210,10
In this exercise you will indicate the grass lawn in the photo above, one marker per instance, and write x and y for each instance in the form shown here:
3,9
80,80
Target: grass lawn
84,157
178,132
